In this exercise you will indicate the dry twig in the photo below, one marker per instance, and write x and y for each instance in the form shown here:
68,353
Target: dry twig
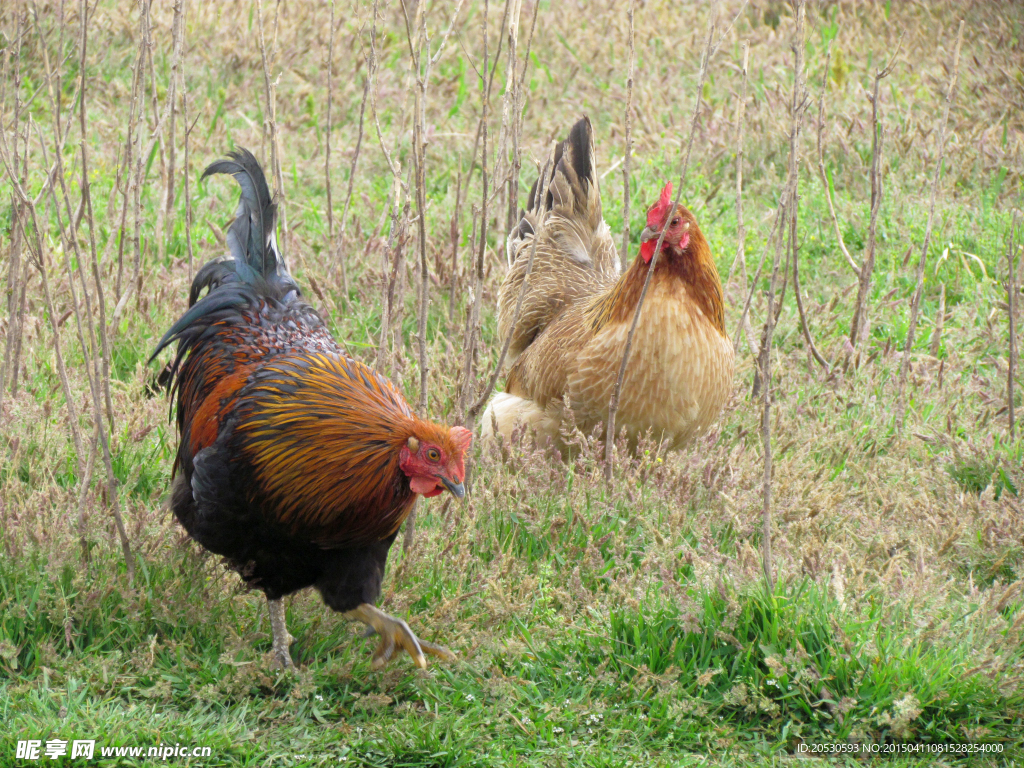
765,361
741,230
422,62
327,138
709,48
15,306
188,170
628,152
473,319
98,382
396,242
860,323
342,260
915,303
178,37
821,165
1011,301
270,128
940,322
474,411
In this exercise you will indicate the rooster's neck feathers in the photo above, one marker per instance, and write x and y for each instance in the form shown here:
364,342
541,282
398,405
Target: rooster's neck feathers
323,434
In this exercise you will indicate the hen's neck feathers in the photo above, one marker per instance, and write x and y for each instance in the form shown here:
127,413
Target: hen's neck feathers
695,268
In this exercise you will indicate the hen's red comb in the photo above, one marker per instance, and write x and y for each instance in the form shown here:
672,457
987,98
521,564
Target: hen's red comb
659,209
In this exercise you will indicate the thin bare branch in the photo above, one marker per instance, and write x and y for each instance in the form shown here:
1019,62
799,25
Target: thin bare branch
628,152
860,323
327,136
373,64
741,230
178,37
473,320
1011,302
453,230
96,379
821,165
804,326
613,405
915,304
188,171
474,411
765,361
15,307
270,127
512,113
342,259
388,286
765,375
940,321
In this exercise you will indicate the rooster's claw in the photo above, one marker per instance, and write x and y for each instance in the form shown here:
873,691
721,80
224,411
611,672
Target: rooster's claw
394,634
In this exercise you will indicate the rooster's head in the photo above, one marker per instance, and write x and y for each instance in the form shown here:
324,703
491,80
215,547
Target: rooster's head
434,459
677,223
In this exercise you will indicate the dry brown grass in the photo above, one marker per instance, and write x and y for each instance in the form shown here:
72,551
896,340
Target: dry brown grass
920,531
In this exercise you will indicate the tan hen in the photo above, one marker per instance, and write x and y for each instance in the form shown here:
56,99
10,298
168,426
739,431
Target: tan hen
569,341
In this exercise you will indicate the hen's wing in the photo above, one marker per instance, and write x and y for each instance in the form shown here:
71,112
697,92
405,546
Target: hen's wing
575,256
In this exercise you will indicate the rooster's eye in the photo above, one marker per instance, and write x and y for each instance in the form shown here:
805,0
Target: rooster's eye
433,454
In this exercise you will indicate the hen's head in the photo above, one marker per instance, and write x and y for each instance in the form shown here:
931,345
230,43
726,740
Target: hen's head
434,459
678,223
684,252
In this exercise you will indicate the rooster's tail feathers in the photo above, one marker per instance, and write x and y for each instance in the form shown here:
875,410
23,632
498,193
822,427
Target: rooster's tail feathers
251,238
256,267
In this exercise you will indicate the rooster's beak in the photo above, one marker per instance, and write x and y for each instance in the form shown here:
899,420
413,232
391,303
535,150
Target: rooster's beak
649,233
458,489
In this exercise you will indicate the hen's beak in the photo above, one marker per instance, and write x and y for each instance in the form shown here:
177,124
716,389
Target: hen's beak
458,489
649,233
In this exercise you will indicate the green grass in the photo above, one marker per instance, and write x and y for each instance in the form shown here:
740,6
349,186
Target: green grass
595,625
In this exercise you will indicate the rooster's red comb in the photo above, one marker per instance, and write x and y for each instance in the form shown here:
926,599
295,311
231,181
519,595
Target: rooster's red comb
462,437
657,211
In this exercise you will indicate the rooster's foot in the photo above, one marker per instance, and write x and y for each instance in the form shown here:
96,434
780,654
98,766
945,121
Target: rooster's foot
282,639
394,634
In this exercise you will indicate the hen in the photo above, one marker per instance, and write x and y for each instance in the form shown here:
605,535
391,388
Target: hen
568,343
296,463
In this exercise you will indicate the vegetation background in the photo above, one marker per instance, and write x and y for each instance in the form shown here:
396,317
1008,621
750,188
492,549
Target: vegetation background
597,623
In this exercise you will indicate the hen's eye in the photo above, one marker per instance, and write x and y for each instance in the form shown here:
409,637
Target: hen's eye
675,221
433,454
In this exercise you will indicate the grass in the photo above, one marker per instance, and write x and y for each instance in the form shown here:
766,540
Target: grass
596,625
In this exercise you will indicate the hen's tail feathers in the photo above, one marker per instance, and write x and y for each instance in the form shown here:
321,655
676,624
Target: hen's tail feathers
573,187
567,186
575,255
255,268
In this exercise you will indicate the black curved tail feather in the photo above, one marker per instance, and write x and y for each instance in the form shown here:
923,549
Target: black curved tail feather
255,269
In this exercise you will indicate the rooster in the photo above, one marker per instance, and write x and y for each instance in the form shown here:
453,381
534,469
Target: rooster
296,463
569,340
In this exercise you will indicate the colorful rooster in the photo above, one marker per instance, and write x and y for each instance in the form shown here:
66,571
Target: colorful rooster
296,463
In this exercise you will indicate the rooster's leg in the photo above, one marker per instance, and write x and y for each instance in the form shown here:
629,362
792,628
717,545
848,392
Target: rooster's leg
282,640
395,633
